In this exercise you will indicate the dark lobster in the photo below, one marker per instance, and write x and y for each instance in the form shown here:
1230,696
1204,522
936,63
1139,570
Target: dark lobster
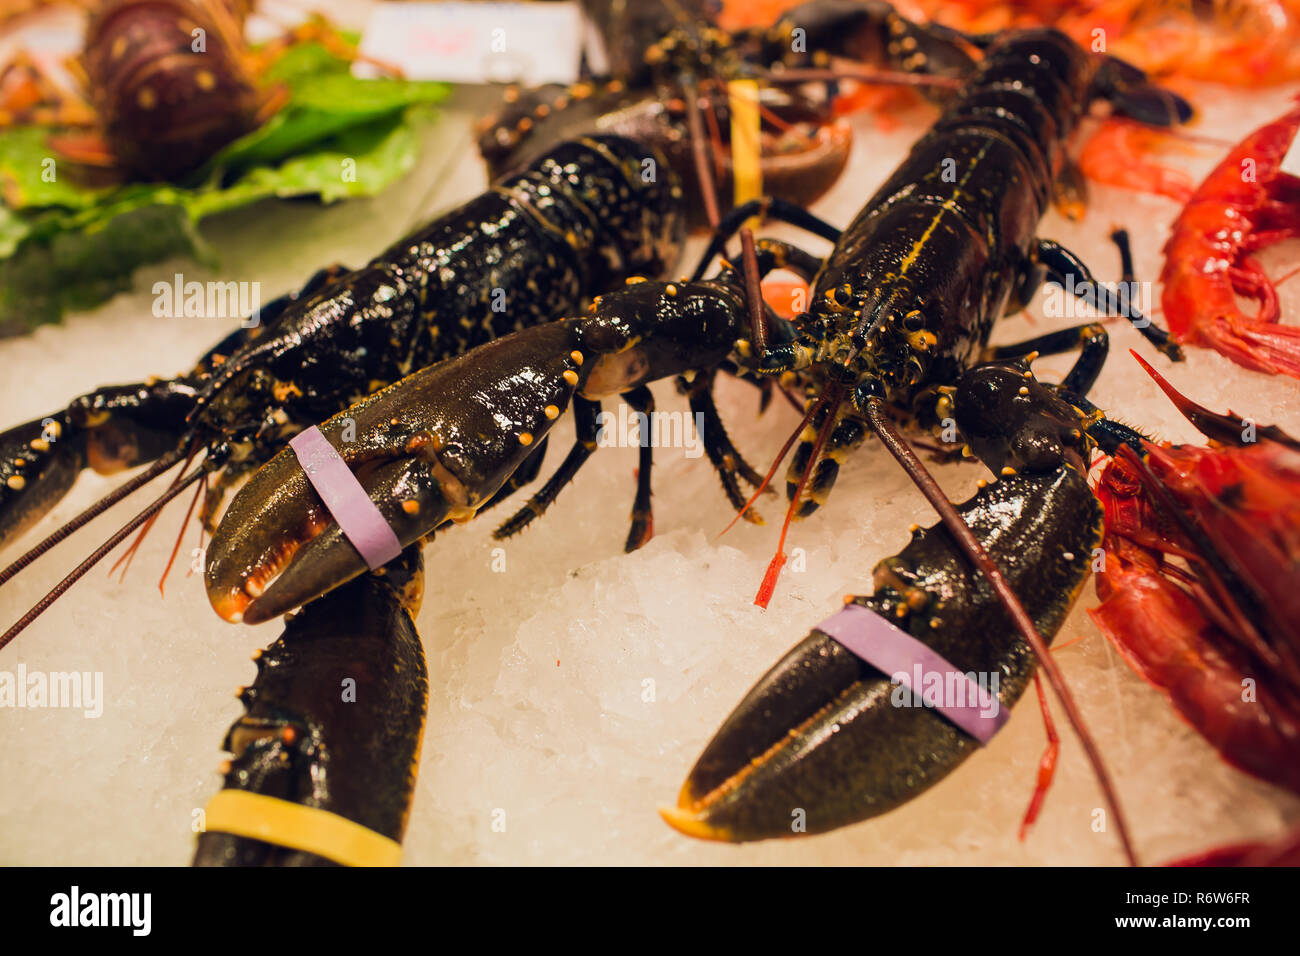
530,249
902,306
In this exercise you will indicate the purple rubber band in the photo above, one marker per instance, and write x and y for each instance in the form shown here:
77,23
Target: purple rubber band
902,657
346,500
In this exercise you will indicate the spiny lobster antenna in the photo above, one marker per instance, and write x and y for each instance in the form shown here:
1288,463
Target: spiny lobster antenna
80,570
892,439
94,511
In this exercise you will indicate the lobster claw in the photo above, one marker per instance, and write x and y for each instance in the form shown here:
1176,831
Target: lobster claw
277,547
39,461
432,448
109,430
824,739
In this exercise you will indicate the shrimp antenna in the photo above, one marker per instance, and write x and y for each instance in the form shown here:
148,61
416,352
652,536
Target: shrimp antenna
119,536
966,541
93,512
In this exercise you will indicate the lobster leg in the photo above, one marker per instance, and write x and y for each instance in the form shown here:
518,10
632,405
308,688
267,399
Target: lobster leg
333,725
1068,271
726,460
643,527
1091,339
768,208
112,428
585,414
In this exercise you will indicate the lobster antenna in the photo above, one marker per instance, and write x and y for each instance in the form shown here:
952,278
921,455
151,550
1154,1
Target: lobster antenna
892,439
753,292
695,126
118,537
91,513
872,77
764,595
758,329
180,534
130,552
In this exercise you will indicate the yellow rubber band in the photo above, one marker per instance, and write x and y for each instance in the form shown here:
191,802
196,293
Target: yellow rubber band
747,171
292,825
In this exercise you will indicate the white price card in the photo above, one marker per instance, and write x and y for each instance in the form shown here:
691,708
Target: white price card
529,43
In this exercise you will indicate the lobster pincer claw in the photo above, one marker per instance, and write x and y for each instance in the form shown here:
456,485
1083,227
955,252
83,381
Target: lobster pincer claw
109,430
432,448
825,739
39,461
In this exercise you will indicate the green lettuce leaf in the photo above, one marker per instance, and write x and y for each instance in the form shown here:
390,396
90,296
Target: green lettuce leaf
69,244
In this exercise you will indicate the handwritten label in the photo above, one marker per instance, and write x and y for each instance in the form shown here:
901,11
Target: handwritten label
528,43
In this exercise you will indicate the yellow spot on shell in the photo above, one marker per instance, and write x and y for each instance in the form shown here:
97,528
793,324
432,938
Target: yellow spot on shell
410,506
525,438
146,99
1008,471
1023,390
576,356
205,80
551,411
16,482
571,376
